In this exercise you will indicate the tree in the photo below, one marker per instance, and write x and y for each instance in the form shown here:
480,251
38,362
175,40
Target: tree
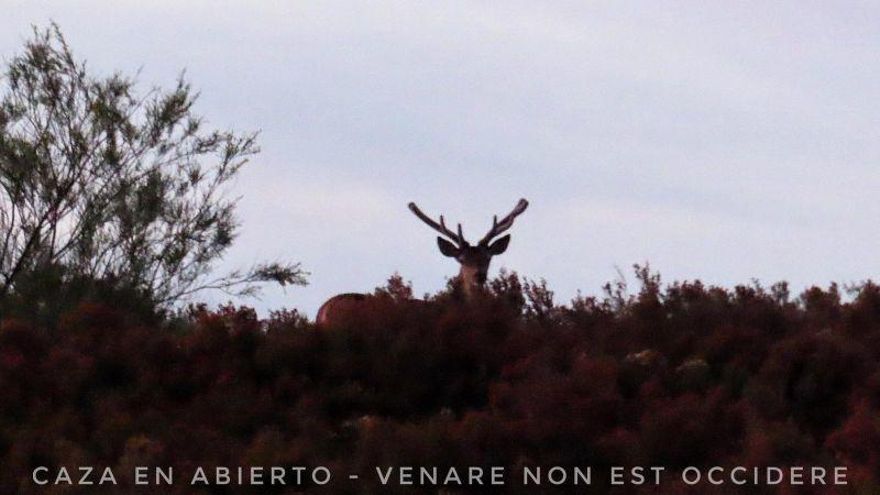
102,182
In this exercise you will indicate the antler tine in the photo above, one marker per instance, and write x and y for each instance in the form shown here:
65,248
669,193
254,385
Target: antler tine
505,223
439,227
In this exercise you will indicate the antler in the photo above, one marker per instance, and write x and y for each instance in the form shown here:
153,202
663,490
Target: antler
439,227
505,223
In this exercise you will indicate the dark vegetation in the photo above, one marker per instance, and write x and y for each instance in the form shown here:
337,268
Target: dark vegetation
680,375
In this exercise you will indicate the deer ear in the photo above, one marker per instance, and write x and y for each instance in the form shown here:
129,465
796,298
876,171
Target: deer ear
447,248
499,246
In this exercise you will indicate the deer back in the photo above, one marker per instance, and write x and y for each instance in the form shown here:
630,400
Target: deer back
355,309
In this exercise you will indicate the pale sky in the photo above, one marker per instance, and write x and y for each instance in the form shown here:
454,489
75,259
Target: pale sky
721,141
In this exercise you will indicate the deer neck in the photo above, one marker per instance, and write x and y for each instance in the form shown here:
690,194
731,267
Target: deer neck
469,285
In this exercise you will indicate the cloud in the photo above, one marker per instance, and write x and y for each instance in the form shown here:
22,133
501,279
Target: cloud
718,142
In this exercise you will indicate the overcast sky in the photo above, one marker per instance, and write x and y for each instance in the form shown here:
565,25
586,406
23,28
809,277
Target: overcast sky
719,142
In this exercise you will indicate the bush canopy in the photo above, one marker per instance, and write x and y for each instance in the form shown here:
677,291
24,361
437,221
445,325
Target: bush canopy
100,181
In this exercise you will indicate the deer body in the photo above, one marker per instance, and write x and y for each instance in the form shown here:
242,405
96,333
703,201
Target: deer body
474,261
338,305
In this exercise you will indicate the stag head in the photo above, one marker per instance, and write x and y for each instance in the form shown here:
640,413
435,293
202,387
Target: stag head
474,260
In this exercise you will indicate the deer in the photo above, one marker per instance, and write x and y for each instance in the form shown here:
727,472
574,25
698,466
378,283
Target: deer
474,261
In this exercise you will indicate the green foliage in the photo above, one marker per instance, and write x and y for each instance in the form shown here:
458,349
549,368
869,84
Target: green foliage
108,183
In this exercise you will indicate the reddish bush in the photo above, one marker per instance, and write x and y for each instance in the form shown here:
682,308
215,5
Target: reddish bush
686,375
